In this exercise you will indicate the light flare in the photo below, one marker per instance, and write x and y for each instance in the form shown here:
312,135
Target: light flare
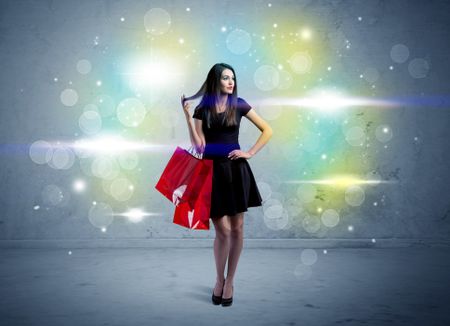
341,181
136,215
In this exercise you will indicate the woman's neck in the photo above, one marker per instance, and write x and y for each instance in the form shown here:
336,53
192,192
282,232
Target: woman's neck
222,102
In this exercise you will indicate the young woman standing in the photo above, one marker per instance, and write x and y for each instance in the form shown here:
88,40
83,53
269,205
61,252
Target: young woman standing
214,131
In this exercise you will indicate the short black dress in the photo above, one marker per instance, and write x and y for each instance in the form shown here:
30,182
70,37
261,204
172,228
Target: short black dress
234,187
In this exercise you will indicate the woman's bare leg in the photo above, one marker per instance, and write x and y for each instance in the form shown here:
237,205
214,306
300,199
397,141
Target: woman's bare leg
236,243
221,249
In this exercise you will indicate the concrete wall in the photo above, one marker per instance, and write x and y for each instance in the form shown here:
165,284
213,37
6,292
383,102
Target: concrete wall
44,40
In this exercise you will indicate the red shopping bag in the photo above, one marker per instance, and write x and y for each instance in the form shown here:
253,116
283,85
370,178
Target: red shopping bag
197,216
178,180
186,182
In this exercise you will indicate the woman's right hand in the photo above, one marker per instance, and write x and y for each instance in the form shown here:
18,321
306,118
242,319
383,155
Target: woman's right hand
186,105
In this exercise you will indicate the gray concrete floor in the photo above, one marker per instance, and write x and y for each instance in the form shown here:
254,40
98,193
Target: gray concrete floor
398,286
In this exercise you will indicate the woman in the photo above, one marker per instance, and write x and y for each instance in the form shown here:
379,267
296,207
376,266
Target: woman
214,131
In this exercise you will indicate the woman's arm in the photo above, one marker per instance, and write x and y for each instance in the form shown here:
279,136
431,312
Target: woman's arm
195,133
196,139
266,134
262,125
199,128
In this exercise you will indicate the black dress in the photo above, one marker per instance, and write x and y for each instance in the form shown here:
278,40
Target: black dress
234,187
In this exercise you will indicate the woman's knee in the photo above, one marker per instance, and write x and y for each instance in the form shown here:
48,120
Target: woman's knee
237,231
237,225
221,226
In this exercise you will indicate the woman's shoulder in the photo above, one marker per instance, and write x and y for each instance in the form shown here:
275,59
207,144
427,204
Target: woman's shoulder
241,101
243,106
198,112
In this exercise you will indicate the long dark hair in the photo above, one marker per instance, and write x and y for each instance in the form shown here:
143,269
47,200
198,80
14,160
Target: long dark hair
211,92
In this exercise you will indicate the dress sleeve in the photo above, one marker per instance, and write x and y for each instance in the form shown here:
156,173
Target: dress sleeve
244,107
198,113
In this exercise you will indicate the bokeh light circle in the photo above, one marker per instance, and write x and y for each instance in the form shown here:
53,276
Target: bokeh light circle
354,195
383,133
308,256
238,41
131,112
351,122
355,136
311,224
273,208
157,21
330,218
128,160
277,223
63,157
90,122
418,68
105,167
266,77
84,66
54,195
371,75
300,62
69,97
100,215
399,53
121,189
278,196
40,152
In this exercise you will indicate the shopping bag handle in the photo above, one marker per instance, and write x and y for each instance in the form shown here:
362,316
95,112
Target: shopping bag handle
194,152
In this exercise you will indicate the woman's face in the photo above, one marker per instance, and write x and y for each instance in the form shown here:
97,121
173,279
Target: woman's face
227,81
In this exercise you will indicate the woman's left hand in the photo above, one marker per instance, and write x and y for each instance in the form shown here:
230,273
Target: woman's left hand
237,153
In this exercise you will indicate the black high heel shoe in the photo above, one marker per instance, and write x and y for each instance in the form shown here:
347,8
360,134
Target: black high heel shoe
217,299
228,301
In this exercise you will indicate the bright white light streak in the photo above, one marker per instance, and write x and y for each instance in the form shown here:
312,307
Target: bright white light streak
136,215
115,145
328,102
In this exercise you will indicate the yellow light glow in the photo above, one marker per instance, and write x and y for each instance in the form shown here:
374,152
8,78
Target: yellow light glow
305,34
341,181
152,72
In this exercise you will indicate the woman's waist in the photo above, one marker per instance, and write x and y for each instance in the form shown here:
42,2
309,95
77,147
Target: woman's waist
222,146
219,150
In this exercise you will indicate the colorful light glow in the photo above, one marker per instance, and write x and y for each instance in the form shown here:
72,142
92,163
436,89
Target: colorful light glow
342,181
166,58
